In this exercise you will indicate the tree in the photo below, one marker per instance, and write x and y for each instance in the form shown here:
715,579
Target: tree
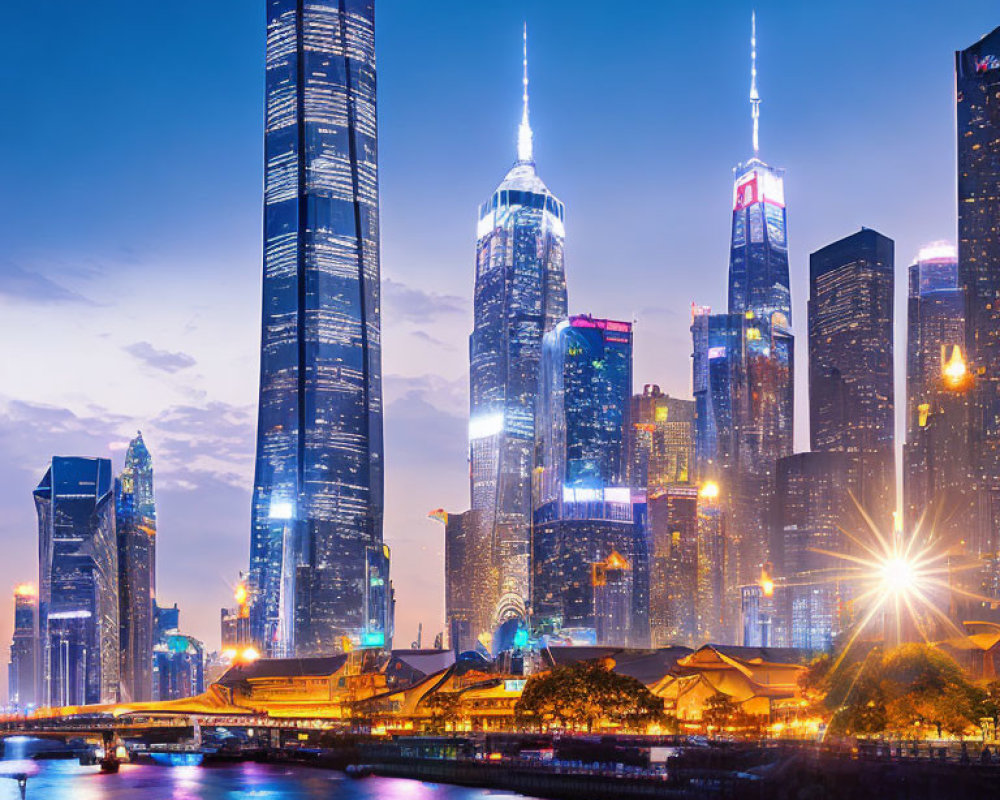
924,685
582,694
445,708
722,712
895,691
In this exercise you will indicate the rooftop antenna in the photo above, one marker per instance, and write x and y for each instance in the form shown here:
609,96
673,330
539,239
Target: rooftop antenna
524,137
754,97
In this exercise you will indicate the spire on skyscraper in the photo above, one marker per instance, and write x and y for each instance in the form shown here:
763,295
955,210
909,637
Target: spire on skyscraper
524,148
754,97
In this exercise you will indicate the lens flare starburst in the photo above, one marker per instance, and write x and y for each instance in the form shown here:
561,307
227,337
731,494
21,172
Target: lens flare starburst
900,581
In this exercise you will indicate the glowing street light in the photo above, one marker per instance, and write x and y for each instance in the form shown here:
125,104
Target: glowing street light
709,491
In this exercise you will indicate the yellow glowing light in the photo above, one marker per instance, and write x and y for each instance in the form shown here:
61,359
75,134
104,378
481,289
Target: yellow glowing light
923,412
954,370
767,586
249,654
229,654
24,590
240,594
709,491
898,575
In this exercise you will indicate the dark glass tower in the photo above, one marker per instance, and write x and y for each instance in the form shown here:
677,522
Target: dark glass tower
135,509
977,84
78,583
520,294
940,482
743,364
851,391
317,507
22,672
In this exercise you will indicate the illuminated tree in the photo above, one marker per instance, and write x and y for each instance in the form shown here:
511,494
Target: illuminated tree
580,695
445,707
896,691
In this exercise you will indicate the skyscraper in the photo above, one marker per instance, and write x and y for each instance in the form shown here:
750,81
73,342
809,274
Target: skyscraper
939,472
318,487
520,294
660,440
977,82
814,509
78,583
584,508
22,672
583,408
470,577
136,536
743,360
851,393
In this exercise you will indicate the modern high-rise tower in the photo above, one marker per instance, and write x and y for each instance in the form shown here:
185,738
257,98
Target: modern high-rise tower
135,525
318,488
78,583
520,294
977,83
851,389
22,672
743,359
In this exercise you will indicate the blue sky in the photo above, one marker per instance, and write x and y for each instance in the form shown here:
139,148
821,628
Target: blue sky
130,220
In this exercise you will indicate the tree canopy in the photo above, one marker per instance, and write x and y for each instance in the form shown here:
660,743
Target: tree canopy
896,691
584,694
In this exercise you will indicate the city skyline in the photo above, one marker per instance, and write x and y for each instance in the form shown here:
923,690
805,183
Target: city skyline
195,411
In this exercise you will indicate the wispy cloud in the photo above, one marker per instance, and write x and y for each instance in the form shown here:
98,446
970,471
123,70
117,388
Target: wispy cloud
159,359
407,302
22,284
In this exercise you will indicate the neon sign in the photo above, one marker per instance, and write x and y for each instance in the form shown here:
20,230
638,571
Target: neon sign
986,63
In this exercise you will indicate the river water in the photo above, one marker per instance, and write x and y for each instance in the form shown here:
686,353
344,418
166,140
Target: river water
67,780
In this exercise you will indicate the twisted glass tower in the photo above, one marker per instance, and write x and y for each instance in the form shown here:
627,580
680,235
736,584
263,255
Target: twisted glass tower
317,506
520,294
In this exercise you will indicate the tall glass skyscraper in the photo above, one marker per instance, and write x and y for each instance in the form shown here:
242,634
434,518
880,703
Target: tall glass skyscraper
135,510
22,672
318,487
520,294
851,385
78,583
977,83
940,478
583,408
743,360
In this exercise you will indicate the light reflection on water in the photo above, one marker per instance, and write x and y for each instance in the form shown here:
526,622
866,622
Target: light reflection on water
67,780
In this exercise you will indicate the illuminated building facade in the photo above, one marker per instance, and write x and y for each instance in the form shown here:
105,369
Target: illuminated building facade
977,82
583,406
613,589
471,579
235,622
851,390
135,524
22,672
675,559
814,508
318,487
78,583
570,535
660,440
584,509
705,432
717,598
940,479
743,361
178,667
520,294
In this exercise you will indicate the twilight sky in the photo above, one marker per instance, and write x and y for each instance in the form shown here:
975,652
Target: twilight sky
130,222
